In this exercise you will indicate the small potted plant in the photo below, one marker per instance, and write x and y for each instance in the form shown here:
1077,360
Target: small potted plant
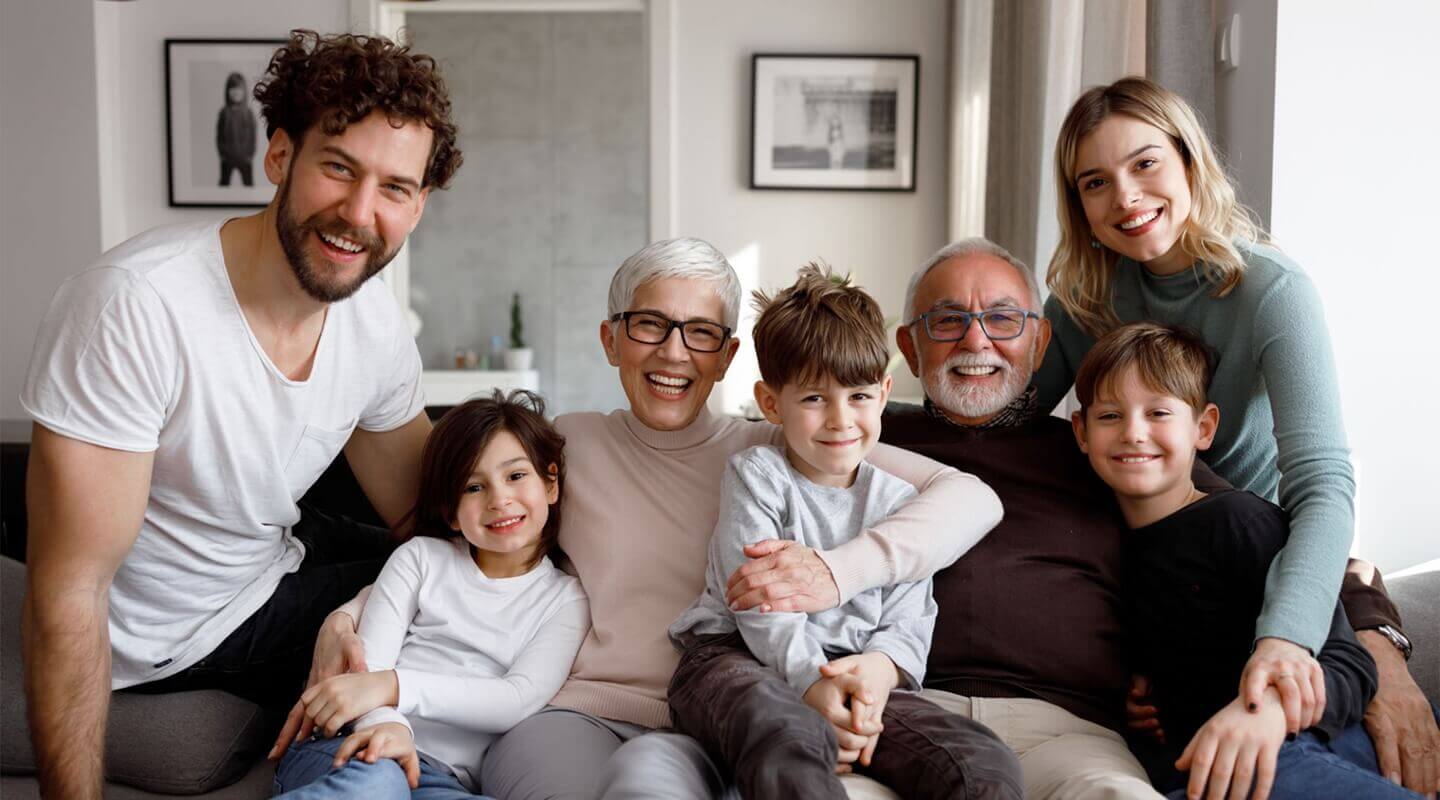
518,357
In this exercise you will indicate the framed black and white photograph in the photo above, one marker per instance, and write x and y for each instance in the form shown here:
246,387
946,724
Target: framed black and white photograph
834,122
215,135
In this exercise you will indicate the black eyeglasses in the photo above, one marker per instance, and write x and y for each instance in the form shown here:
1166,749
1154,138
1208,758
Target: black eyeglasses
951,324
699,335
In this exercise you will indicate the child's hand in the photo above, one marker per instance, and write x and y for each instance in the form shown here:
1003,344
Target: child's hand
331,703
830,697
1235,748
1294,673
1140,716
877,675
386,740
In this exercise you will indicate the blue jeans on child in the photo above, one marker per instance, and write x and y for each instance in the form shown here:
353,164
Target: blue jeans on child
305,773
1344,768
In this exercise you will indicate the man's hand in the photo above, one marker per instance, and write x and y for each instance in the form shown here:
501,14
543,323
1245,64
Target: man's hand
386,740
830,697
782,576
338,649
1400,720
1294,673
878,675
1234,748
333,702
1140,716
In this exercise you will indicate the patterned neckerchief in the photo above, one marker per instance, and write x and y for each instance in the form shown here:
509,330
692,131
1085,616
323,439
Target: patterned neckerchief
1015,413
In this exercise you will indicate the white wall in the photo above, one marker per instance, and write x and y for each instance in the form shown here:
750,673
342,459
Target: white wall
1356,173
878,236
49,209
1245,101
130,43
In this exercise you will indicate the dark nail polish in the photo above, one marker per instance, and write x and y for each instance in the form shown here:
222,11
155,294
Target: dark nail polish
1252,706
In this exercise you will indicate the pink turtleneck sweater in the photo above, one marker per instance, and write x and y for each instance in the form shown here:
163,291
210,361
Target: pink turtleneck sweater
640,505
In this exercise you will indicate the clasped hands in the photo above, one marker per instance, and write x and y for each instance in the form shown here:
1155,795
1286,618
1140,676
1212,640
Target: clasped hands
339,691
851,695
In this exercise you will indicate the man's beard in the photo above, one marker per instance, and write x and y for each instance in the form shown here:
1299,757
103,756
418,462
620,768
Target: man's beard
974,402
293,233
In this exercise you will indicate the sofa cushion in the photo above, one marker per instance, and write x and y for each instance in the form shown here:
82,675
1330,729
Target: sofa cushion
181,743
1418,598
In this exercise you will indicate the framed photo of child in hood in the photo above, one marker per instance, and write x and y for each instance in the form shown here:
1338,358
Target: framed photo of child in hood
215,137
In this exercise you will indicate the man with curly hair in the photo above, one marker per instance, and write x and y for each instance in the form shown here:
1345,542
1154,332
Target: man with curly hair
190,387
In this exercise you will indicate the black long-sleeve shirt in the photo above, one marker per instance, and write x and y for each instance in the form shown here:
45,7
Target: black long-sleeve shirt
1034,609
1194,583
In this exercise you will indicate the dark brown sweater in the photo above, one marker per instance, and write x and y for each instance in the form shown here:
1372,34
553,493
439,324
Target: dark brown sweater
1034,609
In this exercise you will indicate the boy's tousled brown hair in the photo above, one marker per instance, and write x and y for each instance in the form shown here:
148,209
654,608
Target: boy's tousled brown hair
821,326
455,445
1170,359
336,81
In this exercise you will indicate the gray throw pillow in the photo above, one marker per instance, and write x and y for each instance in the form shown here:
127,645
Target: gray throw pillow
182,743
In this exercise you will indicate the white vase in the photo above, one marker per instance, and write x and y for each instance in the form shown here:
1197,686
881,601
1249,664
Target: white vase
518,358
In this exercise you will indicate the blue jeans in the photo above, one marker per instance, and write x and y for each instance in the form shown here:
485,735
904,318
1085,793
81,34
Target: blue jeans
1344,768
305,773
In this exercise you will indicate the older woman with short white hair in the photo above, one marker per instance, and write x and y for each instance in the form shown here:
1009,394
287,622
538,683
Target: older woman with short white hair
641,500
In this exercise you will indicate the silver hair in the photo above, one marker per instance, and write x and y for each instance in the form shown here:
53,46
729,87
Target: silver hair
964,247
677,258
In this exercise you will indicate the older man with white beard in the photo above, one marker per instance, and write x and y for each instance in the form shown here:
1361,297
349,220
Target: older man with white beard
1029,638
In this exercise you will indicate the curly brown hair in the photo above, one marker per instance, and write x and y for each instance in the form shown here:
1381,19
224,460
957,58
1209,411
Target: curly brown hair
336,81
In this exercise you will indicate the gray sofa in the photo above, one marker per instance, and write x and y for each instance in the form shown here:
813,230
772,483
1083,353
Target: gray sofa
183,743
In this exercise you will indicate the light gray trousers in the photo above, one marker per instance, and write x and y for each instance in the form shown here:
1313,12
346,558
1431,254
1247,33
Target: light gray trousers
560,754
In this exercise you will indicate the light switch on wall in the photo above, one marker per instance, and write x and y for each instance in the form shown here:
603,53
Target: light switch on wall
1227,44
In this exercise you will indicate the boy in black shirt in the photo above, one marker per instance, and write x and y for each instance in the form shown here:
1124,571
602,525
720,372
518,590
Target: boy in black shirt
1194,581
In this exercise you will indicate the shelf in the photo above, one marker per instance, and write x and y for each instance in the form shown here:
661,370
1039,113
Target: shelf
449,387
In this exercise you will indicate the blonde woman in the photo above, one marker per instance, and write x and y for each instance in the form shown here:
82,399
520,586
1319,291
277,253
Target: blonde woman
1151,230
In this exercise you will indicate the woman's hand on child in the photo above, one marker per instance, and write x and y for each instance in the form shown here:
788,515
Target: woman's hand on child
1140,715
1294,673
330,704
782,576
1234,749
338,649
386,740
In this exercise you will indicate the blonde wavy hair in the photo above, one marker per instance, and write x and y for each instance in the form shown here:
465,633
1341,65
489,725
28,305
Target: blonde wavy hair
1080,275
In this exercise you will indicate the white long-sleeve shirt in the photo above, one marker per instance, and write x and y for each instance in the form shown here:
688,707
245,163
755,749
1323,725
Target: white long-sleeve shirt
473,655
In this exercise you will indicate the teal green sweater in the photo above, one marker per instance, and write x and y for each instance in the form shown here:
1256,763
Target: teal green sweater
1281,434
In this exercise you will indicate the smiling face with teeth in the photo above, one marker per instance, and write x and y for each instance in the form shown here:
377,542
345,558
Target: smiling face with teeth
1135,192
667,384
504,506
972,379
346,202
1142,443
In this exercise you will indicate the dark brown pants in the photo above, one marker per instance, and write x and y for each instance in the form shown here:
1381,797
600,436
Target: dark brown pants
748,718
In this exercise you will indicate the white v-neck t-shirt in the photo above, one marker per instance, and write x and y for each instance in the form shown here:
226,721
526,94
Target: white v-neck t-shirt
148,350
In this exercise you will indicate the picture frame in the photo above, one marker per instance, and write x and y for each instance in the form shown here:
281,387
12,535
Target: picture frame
214,133
834,122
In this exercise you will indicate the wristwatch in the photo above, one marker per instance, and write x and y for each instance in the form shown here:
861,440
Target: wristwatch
1401,642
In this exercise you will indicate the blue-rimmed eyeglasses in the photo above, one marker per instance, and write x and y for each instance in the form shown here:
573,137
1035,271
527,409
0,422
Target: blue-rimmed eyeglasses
647,327
951,324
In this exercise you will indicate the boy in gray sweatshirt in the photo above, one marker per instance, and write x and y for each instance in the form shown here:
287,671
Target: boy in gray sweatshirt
782,696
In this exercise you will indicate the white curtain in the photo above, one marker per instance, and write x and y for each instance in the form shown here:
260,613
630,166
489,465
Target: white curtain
1016,67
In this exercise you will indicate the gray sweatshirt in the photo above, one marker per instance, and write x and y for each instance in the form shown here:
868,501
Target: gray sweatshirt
763,497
